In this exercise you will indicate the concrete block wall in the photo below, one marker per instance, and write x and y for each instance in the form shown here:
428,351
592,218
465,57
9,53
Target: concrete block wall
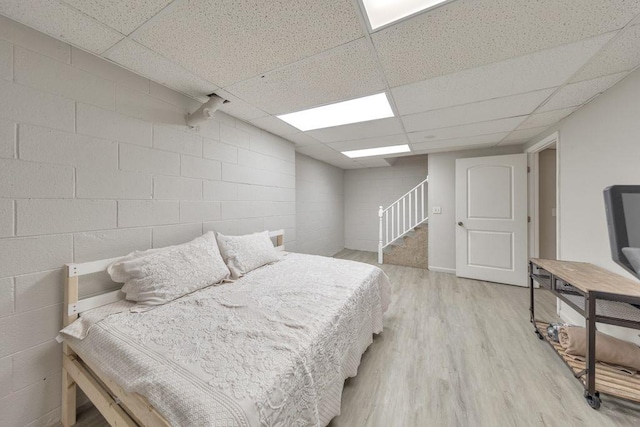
368,189
319,207
95,162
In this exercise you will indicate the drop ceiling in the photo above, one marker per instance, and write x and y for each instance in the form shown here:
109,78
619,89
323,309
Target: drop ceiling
470,73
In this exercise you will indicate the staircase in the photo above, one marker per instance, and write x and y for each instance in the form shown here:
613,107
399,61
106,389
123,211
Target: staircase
403,229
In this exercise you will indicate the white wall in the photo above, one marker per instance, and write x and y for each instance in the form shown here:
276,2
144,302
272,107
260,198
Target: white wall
599,146
95,162
319,207
368,189
442,181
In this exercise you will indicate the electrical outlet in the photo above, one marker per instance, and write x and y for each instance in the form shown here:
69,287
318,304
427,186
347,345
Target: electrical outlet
436,210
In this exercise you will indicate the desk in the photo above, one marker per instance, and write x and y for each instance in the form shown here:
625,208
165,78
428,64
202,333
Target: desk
600,296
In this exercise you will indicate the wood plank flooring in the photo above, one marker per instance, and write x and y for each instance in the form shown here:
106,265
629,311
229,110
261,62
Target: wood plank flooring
459,352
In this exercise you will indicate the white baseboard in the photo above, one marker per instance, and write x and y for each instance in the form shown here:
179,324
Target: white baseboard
442,270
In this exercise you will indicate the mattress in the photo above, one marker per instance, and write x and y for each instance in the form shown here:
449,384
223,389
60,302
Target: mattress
270,349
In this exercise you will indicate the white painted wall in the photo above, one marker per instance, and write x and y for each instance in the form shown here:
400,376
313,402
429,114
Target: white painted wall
319,207
442,227
599,146
367,189
95,162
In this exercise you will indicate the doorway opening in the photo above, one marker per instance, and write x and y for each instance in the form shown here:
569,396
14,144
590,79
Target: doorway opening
544,212
547,203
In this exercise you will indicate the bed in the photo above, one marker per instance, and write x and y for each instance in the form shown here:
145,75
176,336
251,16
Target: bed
273,348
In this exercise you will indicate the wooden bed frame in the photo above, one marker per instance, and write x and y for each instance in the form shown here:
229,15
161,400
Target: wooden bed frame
118,407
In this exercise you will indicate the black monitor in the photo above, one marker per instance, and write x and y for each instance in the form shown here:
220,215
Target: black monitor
622,203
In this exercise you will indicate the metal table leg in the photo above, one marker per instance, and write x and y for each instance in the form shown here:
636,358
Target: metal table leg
592,396
532,302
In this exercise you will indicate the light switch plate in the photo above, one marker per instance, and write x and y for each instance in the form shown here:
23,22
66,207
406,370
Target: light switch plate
436,210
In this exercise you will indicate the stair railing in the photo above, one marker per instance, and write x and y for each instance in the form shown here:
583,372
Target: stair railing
402,216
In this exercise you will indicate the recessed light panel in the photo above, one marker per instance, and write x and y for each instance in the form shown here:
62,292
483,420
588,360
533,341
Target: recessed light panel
380,151
383,12
341,113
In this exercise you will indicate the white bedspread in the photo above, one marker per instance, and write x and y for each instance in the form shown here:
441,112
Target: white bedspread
271,349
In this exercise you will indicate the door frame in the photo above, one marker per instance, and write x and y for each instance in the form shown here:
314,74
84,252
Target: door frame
533,157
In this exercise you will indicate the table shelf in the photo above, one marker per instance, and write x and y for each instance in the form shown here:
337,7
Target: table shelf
601,297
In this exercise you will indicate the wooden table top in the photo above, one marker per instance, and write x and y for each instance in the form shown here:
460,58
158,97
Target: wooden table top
588,277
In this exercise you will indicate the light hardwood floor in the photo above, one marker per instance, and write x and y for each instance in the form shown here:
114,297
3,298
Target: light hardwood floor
459,352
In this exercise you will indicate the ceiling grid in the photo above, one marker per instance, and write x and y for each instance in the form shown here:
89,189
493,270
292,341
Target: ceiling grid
464,74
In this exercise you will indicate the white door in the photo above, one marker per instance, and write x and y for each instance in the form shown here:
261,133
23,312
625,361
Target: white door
491,217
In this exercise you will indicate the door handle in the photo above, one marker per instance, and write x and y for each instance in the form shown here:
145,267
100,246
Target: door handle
460,223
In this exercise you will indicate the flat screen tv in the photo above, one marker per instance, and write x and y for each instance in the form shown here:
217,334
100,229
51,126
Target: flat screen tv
622,203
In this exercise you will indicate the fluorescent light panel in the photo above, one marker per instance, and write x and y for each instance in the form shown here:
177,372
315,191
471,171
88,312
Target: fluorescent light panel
380,151
383,12
341,113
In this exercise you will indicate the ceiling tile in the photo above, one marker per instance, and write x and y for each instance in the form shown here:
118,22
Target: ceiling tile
622,54
122,15
301,139
274,125
470,33
239,108
547,118
540,70
521,136
61,22
346,72
378,141
576,94
463,131
147,63
231,41
461,148
481,111
373,128
373,162
493,138
323,153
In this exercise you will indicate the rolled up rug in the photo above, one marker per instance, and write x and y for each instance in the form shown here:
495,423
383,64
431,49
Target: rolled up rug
608,349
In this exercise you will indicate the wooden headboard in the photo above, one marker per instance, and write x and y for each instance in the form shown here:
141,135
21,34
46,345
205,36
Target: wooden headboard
74,306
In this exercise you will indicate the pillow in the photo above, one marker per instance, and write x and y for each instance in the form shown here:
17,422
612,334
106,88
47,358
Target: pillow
157,276
245,253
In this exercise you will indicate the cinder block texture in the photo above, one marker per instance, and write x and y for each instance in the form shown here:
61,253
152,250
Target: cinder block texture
31,254
106,184
39,144
6,218
176,188
6,60
108,124
49,75
29,105
168,235
196,167
96,245
136,213
28,179
96,162
42,216
7,297
171,138
141,159
7,139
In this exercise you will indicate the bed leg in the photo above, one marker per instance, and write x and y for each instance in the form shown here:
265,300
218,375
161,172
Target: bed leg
69,388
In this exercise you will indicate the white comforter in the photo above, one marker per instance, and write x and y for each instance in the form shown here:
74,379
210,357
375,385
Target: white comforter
271,349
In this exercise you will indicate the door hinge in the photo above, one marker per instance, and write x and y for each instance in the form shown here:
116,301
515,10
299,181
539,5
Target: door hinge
528,219
528,169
